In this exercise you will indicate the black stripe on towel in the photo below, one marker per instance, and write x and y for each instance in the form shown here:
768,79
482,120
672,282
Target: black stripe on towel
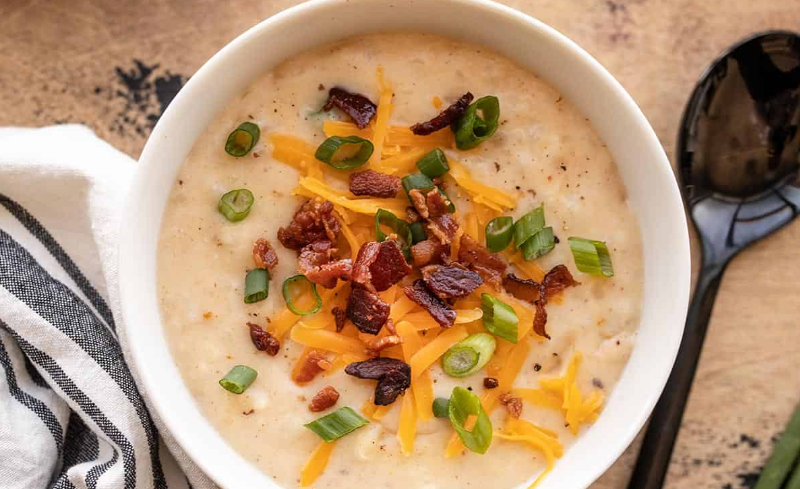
37,230
80,446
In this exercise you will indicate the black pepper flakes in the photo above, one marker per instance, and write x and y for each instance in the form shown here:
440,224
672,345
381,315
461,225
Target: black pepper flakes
536,367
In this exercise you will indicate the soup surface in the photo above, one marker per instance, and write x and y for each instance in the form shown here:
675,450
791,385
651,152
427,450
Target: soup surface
544,152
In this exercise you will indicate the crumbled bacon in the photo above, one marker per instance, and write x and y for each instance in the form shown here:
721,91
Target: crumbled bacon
339,318
263,340
310,364
378,266
558,279
264,255
442,228
436,203
524,289
555,281
367,310
318,263
378,344
490,383
540,319
512,404
393,376
419,201
324,399
374,184
358,107
312,222
445,117
438,309
426,252
450,281
479,259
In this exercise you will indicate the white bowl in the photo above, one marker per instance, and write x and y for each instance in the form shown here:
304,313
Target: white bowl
644,167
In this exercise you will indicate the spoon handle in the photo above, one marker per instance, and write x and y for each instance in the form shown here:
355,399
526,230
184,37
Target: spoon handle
654,457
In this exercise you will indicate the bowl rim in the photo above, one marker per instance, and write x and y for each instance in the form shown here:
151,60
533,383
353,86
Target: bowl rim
200,455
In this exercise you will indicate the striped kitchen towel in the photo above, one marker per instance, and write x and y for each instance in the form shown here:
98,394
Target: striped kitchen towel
71,415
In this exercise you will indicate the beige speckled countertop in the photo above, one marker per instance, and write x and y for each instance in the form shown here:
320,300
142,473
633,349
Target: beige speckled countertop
90,61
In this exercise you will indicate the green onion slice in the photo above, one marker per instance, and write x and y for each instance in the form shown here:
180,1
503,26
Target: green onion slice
464,403
473,128
469,355
344,153
236,204
539,245
451,207
397,226
417,181
440,407
337,424
528,225
242,139
238,379
256,285
499,232
591,256
417,232
288,296
499,318
433,164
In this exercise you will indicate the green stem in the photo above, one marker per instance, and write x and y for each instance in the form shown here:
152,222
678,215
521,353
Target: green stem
783,457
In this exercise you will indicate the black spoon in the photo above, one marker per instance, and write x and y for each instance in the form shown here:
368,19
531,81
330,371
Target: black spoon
737,155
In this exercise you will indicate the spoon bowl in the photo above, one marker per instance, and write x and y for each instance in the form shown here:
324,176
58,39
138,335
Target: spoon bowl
738,160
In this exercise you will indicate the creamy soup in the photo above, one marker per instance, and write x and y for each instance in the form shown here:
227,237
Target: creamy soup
544,152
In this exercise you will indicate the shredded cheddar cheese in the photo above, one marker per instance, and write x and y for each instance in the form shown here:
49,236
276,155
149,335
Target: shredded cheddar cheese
316,463
421,385
407,429
437,102
395,136
422,320
381,117
431,352
565,391
363,206
329,341
483,194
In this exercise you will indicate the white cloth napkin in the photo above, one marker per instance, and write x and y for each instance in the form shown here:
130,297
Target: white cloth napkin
71,415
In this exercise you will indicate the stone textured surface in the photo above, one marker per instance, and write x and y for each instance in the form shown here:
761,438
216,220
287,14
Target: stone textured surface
114,65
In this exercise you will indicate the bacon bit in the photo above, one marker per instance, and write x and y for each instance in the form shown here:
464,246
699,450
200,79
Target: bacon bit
450,281
393,376
540,319
207,315
436,203
312,222
264,255
339,318
512,404
376,345
309,365
378,266
367,310
358,107
324,399
555,281
318,263
479,259
439,311
558,279
445,117
426,252
490,383
263,340
249,412
420,202
524,289
374,184
390,326
443,228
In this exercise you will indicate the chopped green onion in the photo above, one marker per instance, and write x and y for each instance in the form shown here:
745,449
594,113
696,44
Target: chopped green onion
499,232
236,204
784,456
433,164
398,227
451,207
472,128
591,256
464,403
417,232
528,225
540,244
499,318
256,285
287,294
344,153
440,407
337,424
417,181
238,379
469,355
242,139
